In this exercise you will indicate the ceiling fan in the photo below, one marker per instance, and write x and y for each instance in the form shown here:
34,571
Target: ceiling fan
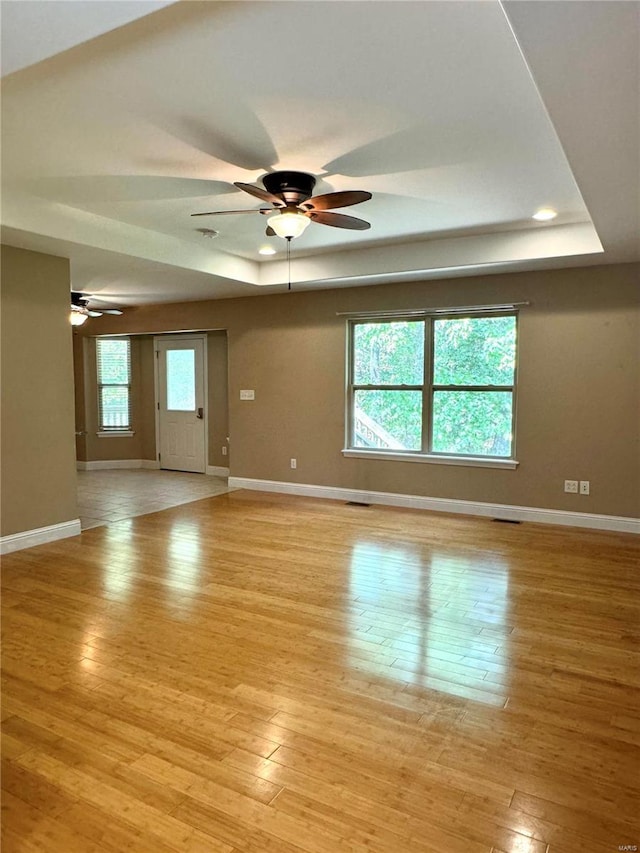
80,311
293,207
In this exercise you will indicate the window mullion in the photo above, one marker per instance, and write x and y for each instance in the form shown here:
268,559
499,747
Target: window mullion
349,436
387,387
505,388
427,392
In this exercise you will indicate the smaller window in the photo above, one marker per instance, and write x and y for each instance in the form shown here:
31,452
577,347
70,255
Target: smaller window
114,384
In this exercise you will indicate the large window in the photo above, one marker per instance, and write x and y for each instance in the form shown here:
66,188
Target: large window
437,385
114,384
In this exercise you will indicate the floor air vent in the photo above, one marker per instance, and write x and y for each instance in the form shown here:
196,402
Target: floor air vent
356,503
507,520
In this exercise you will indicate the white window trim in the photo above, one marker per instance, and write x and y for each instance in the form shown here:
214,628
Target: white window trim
126,431
432,458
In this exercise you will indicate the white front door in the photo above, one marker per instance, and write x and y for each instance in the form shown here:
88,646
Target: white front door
181,404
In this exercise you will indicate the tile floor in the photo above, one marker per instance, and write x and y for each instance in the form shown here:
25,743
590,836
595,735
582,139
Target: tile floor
113,495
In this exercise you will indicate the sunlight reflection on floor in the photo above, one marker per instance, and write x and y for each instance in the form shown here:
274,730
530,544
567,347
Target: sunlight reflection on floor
431,619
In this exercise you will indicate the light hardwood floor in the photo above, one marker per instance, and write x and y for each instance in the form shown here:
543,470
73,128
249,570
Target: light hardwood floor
254,673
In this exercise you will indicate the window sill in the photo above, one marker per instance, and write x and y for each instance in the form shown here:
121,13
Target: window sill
116,433
432,458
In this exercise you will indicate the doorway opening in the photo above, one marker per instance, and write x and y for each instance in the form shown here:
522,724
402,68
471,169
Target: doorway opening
132,493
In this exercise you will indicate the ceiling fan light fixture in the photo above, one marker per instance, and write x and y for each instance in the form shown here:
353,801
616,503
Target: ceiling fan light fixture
289,225
77,318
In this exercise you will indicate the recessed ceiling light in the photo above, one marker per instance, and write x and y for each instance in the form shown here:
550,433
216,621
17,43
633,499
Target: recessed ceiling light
267,250
545,214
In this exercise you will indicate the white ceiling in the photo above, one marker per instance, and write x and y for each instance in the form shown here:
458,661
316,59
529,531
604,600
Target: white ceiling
462,118
33,31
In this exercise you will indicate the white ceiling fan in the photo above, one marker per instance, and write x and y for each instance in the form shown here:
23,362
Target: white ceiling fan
80,311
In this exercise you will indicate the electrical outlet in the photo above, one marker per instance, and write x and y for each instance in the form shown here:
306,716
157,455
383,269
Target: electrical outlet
571,486
224,450
294,463
584,487
247,395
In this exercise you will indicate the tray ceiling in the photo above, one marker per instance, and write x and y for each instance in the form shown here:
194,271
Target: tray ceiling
433,107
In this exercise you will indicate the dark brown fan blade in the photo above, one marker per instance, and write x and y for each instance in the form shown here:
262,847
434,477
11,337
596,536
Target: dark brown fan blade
258,192
331,200
270,232
225,212
339,220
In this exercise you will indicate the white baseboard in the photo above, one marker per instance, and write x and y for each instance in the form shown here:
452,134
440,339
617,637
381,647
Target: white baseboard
488,510
217,471
29,538
106,464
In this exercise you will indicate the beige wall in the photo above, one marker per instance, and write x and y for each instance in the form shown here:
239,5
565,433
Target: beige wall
217,369
38,482
578,394
144,398
80,344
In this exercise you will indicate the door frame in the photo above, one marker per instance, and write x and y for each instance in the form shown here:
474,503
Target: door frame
186,336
